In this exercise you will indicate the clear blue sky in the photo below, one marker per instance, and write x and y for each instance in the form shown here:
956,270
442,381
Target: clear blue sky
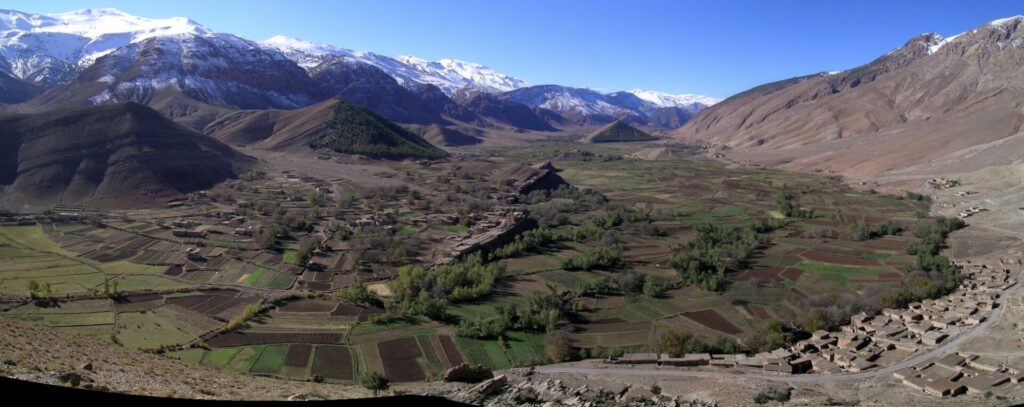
716,48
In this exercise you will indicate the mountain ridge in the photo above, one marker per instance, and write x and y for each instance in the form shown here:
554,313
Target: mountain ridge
117,155
97,56
931,100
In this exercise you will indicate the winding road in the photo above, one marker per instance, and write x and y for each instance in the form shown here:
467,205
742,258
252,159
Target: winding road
938,352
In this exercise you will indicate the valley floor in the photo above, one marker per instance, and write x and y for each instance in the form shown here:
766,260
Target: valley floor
171,306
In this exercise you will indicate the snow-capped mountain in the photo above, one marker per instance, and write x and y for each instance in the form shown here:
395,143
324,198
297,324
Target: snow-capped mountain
450,75
101,56
204,68
97,56
586,106
691,102
573,103
49,49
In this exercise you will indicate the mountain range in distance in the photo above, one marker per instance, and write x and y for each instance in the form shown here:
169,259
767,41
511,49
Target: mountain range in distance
194,74
934,102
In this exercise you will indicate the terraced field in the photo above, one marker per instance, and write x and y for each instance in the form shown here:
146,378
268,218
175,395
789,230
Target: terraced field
816,255
166,298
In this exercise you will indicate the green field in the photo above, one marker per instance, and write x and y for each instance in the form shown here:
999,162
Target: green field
487,353
245,358
255,276
270,360
220,357
828,268
152,329
526,349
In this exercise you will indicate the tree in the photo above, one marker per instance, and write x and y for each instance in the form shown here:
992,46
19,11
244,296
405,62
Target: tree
705,258
305,252
266,238
595,258
33,288
557,346
771,335
359,294
248,312
372,380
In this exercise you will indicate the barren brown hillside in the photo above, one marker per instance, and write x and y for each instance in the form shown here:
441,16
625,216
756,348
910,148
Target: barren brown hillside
111,156
931,101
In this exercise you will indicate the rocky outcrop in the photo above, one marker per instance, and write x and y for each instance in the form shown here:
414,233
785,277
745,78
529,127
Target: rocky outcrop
468,374
498,392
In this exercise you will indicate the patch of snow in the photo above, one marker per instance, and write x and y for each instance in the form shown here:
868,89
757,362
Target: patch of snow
287,44
52,47
1002,22
450,75
935,47
686,100
101,98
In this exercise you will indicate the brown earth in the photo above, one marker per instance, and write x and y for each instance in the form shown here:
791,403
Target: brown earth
957,109
332,362
113,156
712,319
399,358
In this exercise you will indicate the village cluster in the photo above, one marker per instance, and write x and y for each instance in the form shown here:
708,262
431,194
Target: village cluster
894,335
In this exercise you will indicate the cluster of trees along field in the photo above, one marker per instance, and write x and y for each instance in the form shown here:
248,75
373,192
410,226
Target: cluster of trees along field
374,246
702,262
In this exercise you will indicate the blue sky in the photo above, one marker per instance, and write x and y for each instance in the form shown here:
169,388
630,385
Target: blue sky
716,48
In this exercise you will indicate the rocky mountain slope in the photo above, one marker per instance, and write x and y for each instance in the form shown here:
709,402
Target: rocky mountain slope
366,85
205,68
14,90
449,75
112,155
932,103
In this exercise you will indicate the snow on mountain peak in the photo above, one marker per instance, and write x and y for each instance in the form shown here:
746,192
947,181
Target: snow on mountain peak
942,42
49,48
1002,22
94,23
450,75
288,45
687,101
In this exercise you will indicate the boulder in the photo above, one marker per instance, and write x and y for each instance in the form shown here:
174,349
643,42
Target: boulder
491,386
71,378
464,373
